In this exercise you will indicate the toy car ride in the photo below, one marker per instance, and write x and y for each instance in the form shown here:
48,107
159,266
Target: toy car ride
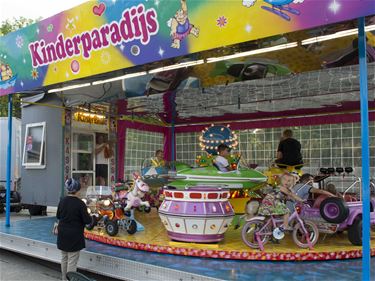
343,212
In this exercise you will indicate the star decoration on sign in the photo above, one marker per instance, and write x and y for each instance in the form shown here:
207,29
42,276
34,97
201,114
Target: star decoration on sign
67,74
161,52
221,21
70,24
122,47
248,28
105,57
34,74
50,27
19,41
157,2
334,6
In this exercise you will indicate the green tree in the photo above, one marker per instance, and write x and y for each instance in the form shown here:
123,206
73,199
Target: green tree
14,24
6,27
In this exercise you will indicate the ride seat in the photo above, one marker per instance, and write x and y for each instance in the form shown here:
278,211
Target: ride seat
339,170
215,165
319,201
323,171
331,170
350,198
348,170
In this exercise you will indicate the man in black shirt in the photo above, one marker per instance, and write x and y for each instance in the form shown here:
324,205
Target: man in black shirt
289,150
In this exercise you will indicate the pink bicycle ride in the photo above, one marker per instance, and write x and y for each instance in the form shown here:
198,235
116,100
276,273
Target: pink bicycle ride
258,230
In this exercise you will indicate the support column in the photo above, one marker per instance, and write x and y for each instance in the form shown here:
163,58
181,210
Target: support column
9,160
121,147
169,144
366,257
173,134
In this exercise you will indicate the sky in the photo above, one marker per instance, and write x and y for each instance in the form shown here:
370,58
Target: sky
32,9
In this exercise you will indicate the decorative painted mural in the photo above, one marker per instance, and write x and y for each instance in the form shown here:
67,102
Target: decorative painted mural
102,36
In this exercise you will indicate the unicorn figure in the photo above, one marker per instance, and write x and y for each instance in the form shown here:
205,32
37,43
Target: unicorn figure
134,197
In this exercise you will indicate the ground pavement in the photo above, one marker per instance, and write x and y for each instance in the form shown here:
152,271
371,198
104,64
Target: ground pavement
14,266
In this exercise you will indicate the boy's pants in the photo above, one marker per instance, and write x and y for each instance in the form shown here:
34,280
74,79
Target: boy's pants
69,262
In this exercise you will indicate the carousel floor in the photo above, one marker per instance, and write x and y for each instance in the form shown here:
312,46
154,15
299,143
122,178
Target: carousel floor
39,230
155,239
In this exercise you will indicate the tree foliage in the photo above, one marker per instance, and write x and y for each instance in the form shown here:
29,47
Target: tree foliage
6,27
14,24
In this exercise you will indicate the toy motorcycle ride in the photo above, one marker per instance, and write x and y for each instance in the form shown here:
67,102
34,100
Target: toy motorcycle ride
111,216
119,212
258,230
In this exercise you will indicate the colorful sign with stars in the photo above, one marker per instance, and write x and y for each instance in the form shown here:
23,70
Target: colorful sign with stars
102,36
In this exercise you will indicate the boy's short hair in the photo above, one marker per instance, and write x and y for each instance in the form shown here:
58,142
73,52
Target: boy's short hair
305,177
288,133
331,188
222,147
158,151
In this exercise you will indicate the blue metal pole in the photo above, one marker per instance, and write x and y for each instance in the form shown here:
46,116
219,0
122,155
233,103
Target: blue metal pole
173,135
365,151
9,161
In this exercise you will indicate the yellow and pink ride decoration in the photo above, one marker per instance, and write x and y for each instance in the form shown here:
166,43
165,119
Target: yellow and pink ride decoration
275,171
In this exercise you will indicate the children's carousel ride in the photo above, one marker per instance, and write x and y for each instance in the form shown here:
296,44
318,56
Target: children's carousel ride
196,210
240,180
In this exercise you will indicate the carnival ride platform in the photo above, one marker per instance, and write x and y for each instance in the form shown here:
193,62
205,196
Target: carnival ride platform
155,239
33,237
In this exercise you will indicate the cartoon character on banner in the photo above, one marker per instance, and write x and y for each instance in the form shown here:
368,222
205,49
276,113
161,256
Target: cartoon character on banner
181,26
278,6
7,79
6,72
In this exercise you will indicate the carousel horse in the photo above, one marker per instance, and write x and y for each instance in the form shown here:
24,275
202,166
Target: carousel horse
134,197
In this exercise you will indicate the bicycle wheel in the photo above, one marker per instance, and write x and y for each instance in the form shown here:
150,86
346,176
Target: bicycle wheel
299,237
252,227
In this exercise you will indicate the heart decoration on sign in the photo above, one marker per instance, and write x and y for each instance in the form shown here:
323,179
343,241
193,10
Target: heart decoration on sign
99,10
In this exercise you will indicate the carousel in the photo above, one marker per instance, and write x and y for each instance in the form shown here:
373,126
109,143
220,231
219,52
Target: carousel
142,77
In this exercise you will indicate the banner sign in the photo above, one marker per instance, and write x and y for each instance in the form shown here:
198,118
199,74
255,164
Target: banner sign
102,36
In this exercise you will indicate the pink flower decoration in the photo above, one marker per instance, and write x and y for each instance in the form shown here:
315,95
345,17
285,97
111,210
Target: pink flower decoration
221,21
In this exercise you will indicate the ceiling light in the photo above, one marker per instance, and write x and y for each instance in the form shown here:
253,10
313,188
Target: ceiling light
130,75
254,52
339,34
69,88
176,66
